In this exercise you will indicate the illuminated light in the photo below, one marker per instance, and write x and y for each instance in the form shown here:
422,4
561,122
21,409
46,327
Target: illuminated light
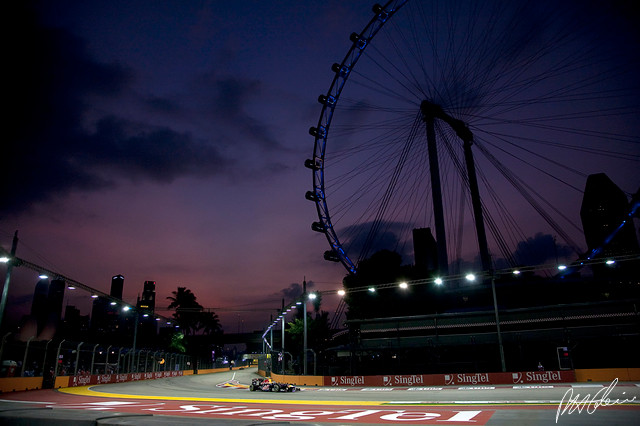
372,289
404,285
113,303
610,262
71,287
94,296
157,319
4,259
516,272
341,292
562,267
168,322
43,276
298,303
126,308
145,315
312,296
144,306
177,326
470,277
438,281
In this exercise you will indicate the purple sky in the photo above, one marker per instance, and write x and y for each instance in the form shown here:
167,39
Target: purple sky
165,141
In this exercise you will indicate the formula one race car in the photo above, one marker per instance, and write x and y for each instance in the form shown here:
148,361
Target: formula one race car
268,385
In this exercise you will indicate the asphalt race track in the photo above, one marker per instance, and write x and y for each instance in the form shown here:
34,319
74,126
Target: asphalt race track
224,398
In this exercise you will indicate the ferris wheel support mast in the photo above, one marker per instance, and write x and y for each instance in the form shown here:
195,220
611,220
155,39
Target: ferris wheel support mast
430,112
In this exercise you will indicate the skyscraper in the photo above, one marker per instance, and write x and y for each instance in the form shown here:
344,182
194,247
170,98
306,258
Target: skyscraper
425,251
146,306
148,299
117,285
605,218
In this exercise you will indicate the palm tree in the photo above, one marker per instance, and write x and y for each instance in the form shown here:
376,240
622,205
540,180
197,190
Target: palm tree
210,323
188,310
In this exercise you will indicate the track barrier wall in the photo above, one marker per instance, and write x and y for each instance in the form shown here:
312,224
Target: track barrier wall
608,374
465,379
13,384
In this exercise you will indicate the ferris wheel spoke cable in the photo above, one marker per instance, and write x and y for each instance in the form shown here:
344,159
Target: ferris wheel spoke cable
526,190
558,164
389,191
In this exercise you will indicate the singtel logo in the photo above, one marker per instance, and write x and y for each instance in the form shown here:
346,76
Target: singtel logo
462,378
402,380
543,376
347,380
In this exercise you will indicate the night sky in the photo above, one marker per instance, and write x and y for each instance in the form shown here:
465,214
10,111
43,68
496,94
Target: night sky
165,141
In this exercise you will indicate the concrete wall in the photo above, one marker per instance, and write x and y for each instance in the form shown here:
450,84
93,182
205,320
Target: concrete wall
299,380
608,374
14,384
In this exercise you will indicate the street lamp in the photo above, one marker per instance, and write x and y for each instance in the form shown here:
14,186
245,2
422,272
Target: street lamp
495,310
7,279
472,277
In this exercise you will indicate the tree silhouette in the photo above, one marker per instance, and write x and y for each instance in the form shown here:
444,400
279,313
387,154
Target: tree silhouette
188,310
210,323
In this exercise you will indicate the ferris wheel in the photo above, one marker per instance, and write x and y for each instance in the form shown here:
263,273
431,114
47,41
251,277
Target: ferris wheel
465,117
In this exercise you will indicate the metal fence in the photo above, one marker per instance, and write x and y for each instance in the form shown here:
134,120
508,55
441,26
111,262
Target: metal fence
53,358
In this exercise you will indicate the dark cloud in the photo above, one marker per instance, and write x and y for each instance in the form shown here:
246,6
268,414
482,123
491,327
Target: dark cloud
227,97
388,237
158,154
53,83
293,292
540,249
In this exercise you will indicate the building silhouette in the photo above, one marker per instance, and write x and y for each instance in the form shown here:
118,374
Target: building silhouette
425,251
117,285
148,300
146,305
608,227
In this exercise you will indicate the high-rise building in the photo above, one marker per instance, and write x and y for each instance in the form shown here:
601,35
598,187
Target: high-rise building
605,219
148,299
55,298
146,306
117,285
425,251
39,309
609,229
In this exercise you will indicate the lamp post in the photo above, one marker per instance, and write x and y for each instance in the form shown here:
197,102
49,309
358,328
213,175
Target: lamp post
7,279
304,321
495,309
283,361
471,277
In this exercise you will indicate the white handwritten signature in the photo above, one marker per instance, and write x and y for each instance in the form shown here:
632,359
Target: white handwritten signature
569,403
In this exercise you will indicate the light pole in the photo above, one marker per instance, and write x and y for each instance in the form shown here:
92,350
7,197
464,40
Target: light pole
471,277
283,361
495,309
5,290
305,349
304,322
